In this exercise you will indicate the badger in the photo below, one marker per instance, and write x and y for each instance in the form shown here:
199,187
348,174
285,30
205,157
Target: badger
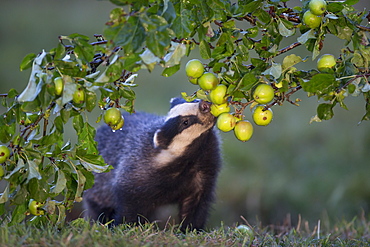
158,160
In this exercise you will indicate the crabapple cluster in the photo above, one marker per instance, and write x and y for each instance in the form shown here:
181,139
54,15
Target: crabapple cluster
313,17
56,88
217,94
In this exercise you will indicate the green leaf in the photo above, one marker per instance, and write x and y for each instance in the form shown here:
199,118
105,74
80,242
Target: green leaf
86,142
174,55
33,170
252,32
247,82
325,111
119,34
83,50
81,179
167,72
120,2
284,31
250,7
219,8
27,61
31,106
275,70
89,162
18,214
132,62
20,165
59,51
38,189
243,52
4,195
34,84
344,32
334,7
351,2
290,61
259,64
185,20
62,214
367,107
6,130
60,184
90,100
262,15
12,93
320,83
78,124
204,50
306,36
149,58
158,38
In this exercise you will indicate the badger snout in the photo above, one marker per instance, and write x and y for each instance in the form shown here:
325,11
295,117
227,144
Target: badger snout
205,115
204,106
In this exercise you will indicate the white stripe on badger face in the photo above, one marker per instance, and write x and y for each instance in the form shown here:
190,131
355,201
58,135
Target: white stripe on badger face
179,144
184,109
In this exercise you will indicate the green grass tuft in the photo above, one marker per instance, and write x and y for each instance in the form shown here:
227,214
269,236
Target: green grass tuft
81,233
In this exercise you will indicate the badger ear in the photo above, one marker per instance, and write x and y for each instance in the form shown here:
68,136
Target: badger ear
179,100
157,139
176,101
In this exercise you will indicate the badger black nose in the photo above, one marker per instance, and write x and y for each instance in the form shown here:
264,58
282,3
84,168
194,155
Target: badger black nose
204,106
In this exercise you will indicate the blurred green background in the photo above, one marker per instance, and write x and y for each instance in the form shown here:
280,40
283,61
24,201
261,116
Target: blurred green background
318,170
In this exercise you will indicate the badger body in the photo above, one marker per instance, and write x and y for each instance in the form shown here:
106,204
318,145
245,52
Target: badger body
158,160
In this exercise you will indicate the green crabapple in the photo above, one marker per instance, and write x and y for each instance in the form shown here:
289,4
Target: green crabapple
119,125
35,207
4,153
208,81
311,20
326,62
216,110
263,93
261,116
218,94
317,7
112,116
226,122
194,68
59,85
79,96
243,130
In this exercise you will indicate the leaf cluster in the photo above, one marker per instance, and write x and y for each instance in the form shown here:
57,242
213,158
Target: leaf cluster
43,165
242,40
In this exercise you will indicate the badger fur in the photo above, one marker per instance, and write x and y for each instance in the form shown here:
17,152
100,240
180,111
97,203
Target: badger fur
158,160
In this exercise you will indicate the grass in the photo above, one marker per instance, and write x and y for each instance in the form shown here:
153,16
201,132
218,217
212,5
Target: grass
81,233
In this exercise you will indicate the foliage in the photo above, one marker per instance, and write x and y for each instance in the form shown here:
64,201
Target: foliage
241,42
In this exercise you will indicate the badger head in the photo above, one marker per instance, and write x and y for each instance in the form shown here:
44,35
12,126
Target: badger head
185,122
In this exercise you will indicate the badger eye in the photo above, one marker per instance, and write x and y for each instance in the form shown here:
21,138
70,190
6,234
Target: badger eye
186,122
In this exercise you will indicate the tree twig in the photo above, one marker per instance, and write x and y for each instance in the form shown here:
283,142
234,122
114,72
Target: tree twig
363,28
30,127
351,80
288,48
